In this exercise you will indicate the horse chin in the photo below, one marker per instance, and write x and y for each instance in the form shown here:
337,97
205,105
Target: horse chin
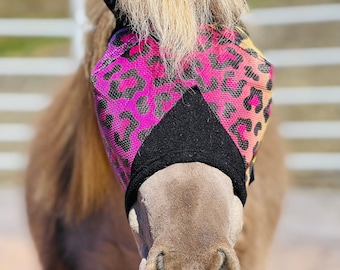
187,217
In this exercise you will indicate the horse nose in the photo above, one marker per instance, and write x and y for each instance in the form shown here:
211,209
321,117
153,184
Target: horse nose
219,260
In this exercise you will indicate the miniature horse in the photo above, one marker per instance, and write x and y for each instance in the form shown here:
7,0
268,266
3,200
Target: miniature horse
185,215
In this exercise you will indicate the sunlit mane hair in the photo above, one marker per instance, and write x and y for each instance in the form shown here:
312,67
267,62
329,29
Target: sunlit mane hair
175,23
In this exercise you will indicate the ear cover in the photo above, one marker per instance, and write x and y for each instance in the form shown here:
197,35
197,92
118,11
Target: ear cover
121,19
110,4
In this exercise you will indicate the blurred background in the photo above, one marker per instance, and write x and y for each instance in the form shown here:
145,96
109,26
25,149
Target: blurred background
41,43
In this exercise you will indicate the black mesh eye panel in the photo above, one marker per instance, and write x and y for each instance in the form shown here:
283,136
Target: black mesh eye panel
189,132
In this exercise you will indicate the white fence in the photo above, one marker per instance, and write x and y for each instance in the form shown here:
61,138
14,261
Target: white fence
74,29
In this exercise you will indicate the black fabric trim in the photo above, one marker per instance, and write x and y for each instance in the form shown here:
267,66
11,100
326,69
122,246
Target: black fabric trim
189,132
252,174
121,19
111,4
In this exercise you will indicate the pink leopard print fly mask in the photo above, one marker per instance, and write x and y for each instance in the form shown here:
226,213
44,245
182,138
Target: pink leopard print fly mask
214,111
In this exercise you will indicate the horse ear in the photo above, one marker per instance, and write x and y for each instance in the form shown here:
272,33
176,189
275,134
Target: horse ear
110,4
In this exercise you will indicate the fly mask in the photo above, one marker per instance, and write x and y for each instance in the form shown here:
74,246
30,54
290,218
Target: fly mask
214,110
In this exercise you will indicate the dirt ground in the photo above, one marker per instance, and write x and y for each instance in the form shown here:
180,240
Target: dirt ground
308,236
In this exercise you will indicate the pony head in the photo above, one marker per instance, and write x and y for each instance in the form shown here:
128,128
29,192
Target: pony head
182,99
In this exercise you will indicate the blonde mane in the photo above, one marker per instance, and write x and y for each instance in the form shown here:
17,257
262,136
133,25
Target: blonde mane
175,24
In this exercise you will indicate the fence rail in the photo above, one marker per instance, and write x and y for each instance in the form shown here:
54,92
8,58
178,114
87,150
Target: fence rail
291,96
294,15
15,132
293,130
73,28
314,161
10,161
299,130
311,57
19,102
63,28
295,96
60,66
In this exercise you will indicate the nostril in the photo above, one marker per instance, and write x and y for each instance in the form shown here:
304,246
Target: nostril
160,261
228,260
223,259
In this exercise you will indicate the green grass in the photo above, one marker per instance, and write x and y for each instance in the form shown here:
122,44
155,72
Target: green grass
34,8
21,47
33,47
